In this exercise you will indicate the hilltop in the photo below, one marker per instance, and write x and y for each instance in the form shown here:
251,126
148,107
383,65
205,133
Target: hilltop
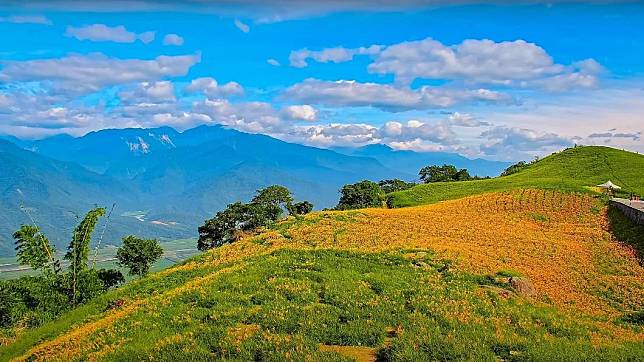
573,169
419,283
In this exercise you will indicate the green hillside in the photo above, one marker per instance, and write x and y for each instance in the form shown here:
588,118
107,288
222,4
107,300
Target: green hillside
435,282
574,169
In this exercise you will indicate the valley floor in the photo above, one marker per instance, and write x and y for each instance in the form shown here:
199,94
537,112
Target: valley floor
420,283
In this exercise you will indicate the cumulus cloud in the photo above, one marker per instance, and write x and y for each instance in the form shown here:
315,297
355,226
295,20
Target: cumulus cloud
180,120
510,142
102,32
475,60
273,62
509,63
161,91
172,39
25,19
440,132
298,58
465,120
300,113
387,97
87,73
241,26
412,134
212,89
255,117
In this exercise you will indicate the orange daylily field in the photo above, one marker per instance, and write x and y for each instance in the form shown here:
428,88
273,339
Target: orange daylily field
558,241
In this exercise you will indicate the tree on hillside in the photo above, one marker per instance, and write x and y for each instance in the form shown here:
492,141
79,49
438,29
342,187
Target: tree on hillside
360,195
266,208
223,228
301,208
33,248
78,254
78,249
394,185
515,168
445,173
138,254
35,299
269,204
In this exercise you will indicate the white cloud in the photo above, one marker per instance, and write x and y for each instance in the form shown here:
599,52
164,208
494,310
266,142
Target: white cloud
298,58
26,19
440,132
87,73
102,32
254,117
513,142
180,120
509,63
300,113
387,97
172,39
241,26
5,102
473,60
212,89
161,91
273,62
465,120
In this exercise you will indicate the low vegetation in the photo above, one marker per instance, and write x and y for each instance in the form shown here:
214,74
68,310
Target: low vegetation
32,300
430,282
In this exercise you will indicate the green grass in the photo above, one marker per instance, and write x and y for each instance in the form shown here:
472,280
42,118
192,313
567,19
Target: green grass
574,169
405,305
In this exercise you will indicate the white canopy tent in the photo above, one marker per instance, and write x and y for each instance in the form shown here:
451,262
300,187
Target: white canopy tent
609,186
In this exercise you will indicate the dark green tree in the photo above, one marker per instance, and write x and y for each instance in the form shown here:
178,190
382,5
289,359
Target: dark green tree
514,168
271,202
445,173
394,185
224,227
110,278
301,208
265,209
360,195
138,254
33,248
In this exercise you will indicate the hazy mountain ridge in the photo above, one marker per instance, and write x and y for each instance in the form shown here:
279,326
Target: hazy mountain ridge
165,182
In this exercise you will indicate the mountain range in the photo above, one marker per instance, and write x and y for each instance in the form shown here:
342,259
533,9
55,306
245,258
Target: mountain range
164,183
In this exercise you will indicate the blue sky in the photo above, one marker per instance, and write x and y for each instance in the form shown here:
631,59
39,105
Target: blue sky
493,81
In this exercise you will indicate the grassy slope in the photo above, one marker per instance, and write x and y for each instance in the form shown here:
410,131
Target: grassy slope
574,169
407,284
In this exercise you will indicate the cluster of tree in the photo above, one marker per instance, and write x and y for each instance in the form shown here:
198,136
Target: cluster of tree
266,208
389,186
515,168
445,173
366,193
31,300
